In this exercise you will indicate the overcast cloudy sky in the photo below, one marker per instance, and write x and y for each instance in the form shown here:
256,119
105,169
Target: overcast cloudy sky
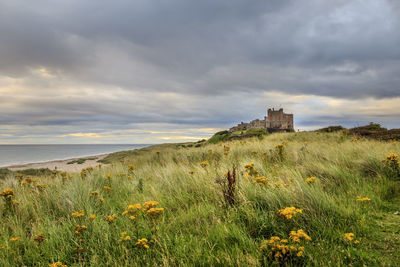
150,71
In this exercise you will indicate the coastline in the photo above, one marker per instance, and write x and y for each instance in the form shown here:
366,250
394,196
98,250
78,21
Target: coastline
61,165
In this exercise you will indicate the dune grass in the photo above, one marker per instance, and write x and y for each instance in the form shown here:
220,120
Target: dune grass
197,227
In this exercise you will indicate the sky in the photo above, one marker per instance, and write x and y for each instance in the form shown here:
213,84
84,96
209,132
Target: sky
154,71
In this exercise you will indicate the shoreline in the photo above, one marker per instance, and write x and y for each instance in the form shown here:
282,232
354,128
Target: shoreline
61,165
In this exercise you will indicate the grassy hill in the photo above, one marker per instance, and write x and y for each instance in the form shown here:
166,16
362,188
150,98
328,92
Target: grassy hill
311,198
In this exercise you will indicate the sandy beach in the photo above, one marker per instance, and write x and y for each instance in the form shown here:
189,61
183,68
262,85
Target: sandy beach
61,164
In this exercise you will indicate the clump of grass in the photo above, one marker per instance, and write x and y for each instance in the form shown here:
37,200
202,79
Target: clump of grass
81,160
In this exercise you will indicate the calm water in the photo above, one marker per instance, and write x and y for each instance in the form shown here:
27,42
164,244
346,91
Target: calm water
22,154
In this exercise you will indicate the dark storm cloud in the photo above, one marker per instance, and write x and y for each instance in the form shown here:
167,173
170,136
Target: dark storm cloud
101,65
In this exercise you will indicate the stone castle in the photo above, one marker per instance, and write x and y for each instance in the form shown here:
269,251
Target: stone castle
276,121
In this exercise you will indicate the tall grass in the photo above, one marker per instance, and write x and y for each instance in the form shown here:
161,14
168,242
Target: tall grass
197,227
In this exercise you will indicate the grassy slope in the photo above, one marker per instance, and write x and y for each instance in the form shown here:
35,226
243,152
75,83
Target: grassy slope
197,227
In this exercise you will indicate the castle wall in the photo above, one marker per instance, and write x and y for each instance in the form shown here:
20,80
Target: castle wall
276,121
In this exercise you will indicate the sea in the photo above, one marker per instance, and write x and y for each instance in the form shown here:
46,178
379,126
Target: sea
23,154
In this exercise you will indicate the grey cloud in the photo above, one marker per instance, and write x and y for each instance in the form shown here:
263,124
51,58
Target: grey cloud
116,64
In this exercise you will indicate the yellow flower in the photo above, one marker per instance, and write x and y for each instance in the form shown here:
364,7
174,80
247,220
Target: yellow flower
154,212
41,187
296,236
101,199
204,164
132,218
94,193
107,188
289,212
133,209
142,243
262,180
250,170
108,176
124,237
311,180
79,229
149,204
7,193
78,214
131,167
57,264
29,180
349,237
14,239
39,238
363,199
111,219
92,216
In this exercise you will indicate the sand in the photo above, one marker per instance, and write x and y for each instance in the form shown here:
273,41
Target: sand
60,164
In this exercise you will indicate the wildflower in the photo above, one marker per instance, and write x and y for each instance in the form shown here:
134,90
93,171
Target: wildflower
204,164
311,180
131,167
94,193
16,202
133,209
149,204
41,187
129,177
79,250
363,199
107,188
142,243
111,219
281,250
132,218
92,217
289,212
7,193
154,212
254,152
39,238
296,236
78,214
349,237
250,170
79,229
124,237
262,180
158,152
83,173
108,176
101,199
19,176
29,180
57,264
14,239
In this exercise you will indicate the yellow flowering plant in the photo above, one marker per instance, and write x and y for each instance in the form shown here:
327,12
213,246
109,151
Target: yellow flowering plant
289,212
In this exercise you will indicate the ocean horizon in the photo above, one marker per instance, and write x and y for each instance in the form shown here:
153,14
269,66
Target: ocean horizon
35,153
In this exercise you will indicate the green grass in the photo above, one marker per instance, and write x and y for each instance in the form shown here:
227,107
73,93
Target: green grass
197,227
81,160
